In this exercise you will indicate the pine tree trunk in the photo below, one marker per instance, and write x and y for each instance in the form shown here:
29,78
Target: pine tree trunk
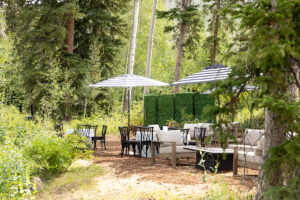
182,34
215,42
69,43
132,46
150,44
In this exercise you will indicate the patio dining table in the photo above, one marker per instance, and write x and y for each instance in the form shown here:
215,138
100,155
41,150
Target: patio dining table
145,151
82,131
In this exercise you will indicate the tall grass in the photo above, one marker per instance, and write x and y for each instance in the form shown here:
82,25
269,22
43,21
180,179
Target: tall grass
113,120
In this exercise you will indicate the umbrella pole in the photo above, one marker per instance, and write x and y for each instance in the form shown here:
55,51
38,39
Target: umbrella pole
129,103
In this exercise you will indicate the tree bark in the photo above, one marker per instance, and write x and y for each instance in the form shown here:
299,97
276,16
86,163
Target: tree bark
69,41
182,34
132,46
150,44
215,41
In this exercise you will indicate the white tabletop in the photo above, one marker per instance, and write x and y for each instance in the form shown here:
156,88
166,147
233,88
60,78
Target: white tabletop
82,131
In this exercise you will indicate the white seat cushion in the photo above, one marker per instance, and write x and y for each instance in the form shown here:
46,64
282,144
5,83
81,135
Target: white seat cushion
242,147
170,136
250,157
168,149
252,136
155,127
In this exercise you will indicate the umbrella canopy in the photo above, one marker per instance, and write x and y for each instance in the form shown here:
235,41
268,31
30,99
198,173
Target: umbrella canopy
128,81
208,74
235,89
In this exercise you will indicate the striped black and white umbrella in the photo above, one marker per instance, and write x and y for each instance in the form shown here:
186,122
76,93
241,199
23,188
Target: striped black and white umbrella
128,81
234,89
208,74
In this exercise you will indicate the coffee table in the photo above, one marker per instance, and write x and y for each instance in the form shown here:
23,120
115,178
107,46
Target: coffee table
212,156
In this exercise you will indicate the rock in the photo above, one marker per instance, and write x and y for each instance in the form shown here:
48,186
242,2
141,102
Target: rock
38,182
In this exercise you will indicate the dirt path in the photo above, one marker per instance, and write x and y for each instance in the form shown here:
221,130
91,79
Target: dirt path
131,177
139,174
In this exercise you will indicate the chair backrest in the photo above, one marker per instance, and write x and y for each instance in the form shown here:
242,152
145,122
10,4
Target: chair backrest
124,133
185,133
200,134
104,128
146,133
84,129
95,129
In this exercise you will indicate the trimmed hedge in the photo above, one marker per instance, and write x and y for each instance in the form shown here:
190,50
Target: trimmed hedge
150,108
160,108
183,101
165,104
200,102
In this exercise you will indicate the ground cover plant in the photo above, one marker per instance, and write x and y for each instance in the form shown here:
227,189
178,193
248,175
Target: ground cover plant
30,149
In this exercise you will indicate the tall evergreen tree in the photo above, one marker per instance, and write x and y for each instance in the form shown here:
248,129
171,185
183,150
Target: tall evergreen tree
187,25
269,56
55,41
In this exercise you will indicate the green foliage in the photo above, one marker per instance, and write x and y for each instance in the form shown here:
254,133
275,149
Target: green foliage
15,179
288,158
53,155
191,17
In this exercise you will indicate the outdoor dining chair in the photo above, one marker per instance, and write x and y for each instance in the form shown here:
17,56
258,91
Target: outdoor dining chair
101,138
126,141
185,133
146,136
199,134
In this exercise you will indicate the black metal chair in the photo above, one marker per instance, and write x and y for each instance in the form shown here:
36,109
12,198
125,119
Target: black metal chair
185,133
199,134
146,134
126,141
59,129
100,138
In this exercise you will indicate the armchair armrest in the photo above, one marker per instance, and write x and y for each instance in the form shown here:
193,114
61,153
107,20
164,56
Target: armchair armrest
173,151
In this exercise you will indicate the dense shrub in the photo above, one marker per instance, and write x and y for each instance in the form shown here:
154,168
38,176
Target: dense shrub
15,181
53,155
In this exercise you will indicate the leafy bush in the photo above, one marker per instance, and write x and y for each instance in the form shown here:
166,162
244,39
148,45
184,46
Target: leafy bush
53,155
15,178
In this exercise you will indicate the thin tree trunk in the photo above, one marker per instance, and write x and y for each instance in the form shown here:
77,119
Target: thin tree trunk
150,44
69,43
215,42
182,34
133,36
132,46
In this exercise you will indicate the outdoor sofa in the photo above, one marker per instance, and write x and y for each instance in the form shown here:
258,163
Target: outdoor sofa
249,154
170,145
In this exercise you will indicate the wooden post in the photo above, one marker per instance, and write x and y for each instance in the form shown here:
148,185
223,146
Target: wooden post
152,153
173,154
235,158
